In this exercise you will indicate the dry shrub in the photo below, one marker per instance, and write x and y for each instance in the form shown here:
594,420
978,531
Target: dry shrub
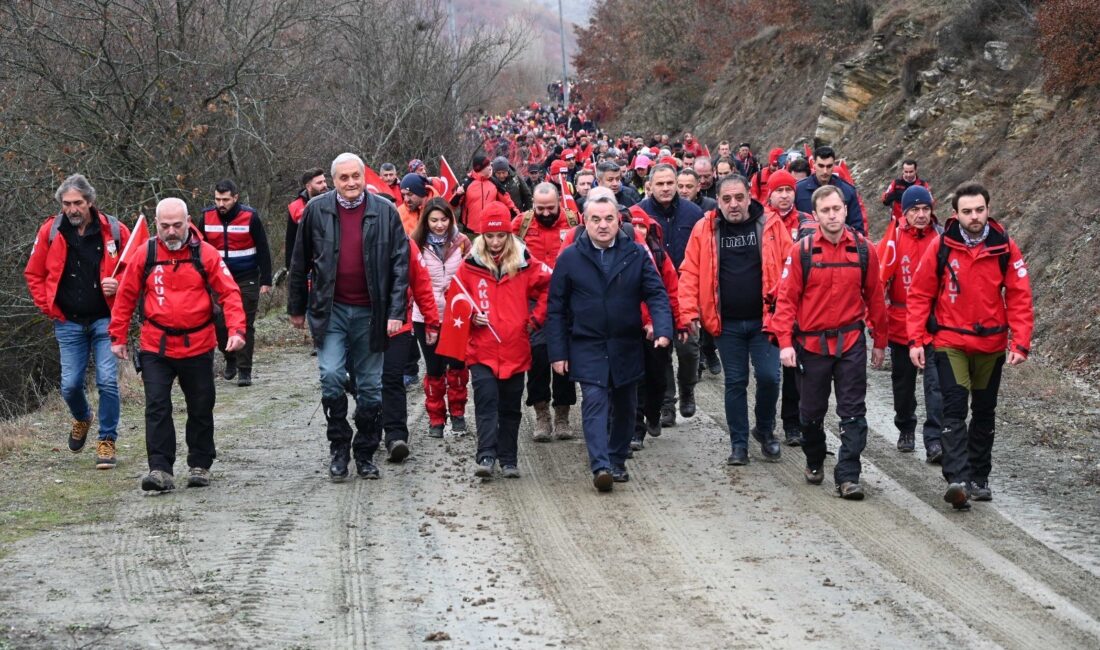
1069,38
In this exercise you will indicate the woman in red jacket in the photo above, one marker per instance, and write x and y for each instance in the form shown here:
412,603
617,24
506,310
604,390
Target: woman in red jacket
501,277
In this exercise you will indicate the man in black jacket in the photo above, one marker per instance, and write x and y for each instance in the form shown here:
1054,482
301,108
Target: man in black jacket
354,245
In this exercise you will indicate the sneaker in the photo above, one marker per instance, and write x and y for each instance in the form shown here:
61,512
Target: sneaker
398,451
636,444
739,456
793,437
619,474
934,453
198,477
458,424
813,476
714,364
105,454
366,470
603,481
157,481
956,495
484,468
230,369
509,471
668,416
906,441
79,434
850,490
244,377
338,465
980,491
435,431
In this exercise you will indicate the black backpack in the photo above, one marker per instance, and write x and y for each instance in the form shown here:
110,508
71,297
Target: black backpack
806,253
116,229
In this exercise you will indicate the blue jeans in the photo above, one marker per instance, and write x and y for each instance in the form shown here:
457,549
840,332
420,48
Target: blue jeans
76,343
348,339
608,416
742,340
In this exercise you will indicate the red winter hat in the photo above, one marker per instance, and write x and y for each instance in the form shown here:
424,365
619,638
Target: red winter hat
558,167
568,154
781,178
496,218
640,217
669,160
774,154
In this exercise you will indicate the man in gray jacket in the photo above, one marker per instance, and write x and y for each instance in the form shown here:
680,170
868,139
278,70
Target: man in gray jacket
355,248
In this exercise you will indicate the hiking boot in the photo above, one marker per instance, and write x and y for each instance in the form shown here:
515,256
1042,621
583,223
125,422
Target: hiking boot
980,491
636,444
739,456
793,437
769,445
509,471
244,377
79,434
653,429
338,465
105,454
562,429
850,490
398,451
714,364
543,423
813,476
484,468
906,441
230,369
157,481
198,477
668,418
687,401
366,469
458,424
933,453
435,431
956,495
619,474
603,481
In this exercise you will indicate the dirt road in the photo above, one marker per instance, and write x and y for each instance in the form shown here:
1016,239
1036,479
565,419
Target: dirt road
690,552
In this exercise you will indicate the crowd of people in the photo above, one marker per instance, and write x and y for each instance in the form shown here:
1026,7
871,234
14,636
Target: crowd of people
564,261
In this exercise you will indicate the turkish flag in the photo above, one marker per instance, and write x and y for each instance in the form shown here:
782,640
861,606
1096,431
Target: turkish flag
706,151
135,246
454,334
448,179
373,182
887,249
567,200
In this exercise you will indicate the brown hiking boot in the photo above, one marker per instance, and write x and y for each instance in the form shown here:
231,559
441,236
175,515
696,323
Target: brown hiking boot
813,476
543,424
105,454
562,429
850,490
79,434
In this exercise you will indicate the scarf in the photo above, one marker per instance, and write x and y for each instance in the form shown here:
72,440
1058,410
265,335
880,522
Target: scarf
976,241
351,205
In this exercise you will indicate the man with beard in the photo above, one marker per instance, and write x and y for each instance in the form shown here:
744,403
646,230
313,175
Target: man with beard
313,183
235,230
70,278
388,173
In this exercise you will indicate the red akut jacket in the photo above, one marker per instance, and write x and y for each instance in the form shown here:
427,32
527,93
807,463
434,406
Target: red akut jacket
175,296
976,306
480,193
420,292
544,243
506,301
47,263
895,205
798,224
833,299
909,247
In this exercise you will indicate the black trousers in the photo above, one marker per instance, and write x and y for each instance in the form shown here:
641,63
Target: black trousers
707,348
498,405
903,377
395,407
541,379
651,389
196,378
847,376
968,451
687,368
788,410
250,296
434,365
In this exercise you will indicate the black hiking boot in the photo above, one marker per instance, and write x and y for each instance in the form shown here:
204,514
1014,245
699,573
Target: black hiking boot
793,437
687,401
230,368
933,453
813,476
338,465
398,451
906,441
668,419
244,377
739,456
850,490
979,491
619,474
484,467
366,469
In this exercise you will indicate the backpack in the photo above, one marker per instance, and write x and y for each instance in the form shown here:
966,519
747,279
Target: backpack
942,264
194,244
525,224
806,252
116,229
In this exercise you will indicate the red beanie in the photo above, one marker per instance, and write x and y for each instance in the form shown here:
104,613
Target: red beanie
780,178
774,154
558,167
496,218
640,217
669,160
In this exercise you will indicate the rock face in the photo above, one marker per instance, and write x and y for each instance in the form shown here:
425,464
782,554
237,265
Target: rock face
998,53
1032,107
851,87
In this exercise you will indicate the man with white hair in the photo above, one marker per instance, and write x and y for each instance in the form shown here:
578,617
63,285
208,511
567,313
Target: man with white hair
174,282
354,246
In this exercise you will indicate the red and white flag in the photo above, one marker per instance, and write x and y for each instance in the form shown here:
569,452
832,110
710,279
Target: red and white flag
567,200
448,178
373,182
135,246
458,314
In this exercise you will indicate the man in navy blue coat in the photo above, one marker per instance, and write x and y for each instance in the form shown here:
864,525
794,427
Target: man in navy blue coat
595,316
824,160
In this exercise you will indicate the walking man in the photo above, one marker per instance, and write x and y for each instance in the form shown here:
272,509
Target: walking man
353,244
174,282
70,278
969,293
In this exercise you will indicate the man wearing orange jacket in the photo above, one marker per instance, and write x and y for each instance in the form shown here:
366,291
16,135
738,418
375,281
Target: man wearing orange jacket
174,281
970,291
830,285
70,275
728,284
